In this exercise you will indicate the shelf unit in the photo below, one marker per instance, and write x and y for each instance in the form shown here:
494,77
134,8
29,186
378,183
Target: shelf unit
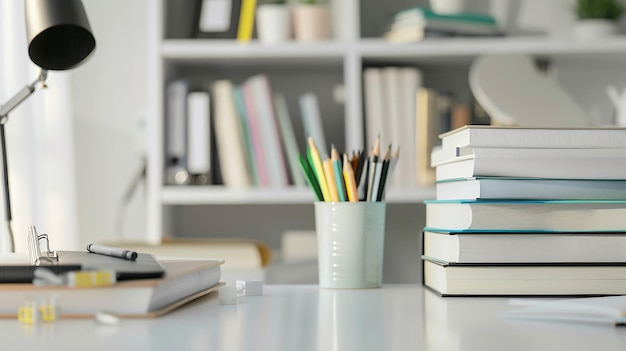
345,57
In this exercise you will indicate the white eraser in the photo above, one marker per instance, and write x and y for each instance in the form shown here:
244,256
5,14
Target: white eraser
106,318
251,287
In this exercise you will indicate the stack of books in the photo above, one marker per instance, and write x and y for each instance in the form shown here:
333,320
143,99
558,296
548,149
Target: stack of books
416,23
528,211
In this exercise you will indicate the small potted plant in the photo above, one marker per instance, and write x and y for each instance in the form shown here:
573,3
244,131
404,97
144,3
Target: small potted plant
597,18
273,21
312,20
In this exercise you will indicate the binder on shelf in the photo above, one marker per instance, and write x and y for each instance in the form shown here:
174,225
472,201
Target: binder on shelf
146,266
176,127
198,137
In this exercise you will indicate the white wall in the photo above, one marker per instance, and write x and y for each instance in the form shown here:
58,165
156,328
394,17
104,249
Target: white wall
110,101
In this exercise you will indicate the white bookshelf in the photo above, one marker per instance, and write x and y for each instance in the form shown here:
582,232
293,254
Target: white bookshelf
347,57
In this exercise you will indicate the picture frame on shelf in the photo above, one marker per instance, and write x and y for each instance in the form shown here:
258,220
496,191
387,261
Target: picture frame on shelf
217,19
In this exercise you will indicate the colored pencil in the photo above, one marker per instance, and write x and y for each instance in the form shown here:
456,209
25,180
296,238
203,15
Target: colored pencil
348,176
339,182
383,175
316,165
372,170
310,177
330,179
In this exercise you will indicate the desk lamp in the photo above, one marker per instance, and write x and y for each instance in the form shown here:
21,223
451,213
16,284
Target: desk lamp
59,38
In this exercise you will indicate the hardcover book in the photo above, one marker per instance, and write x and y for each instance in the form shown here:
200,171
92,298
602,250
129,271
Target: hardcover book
526,215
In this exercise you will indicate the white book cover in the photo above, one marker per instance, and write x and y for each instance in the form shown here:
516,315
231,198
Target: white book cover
274,154
198,133
374,105
502,136
229,137
526,215
539,163
312,121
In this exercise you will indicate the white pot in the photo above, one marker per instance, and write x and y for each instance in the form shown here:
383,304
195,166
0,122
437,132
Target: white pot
447,6
273,23
312,22
594,28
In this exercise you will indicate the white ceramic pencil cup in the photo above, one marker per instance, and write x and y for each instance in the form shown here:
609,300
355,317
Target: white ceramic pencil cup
350,242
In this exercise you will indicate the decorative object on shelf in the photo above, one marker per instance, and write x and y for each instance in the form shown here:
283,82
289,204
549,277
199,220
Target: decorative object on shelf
273,21
217,18
312,21
549,105
619,101
597,18
447,6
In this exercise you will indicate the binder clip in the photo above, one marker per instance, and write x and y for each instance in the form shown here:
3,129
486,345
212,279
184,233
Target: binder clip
34,248
33,311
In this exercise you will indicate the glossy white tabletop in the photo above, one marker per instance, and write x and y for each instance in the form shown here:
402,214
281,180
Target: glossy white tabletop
292,317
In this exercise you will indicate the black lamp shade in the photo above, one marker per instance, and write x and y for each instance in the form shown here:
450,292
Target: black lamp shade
58,32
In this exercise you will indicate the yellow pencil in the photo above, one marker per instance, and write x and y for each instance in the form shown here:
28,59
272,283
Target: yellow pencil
316,164
348,177
330,179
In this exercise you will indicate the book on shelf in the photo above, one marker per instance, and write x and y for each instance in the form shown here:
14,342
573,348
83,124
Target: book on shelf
524,279
272,141
289,138
375,106
526,215
245,27
501,188
247,135
184,281
524,137
198,137
427,14
417,23
254,124
426,131
312,121
399,87
605,310
229,137
525,247
557,163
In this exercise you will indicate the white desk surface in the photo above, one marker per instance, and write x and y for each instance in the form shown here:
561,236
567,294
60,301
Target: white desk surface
304,317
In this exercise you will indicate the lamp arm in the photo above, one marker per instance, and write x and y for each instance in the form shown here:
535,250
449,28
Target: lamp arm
21,96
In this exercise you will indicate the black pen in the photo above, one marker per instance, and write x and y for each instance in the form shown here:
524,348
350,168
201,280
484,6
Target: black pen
112,251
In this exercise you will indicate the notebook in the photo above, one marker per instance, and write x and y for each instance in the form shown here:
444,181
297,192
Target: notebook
144,267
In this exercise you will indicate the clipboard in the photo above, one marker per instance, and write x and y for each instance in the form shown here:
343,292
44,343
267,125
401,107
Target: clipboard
146,266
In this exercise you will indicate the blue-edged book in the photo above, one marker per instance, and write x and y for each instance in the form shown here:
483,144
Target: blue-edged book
484,188
526,215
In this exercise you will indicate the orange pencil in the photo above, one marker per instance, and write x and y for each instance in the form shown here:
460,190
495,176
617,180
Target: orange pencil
348,177
330,179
